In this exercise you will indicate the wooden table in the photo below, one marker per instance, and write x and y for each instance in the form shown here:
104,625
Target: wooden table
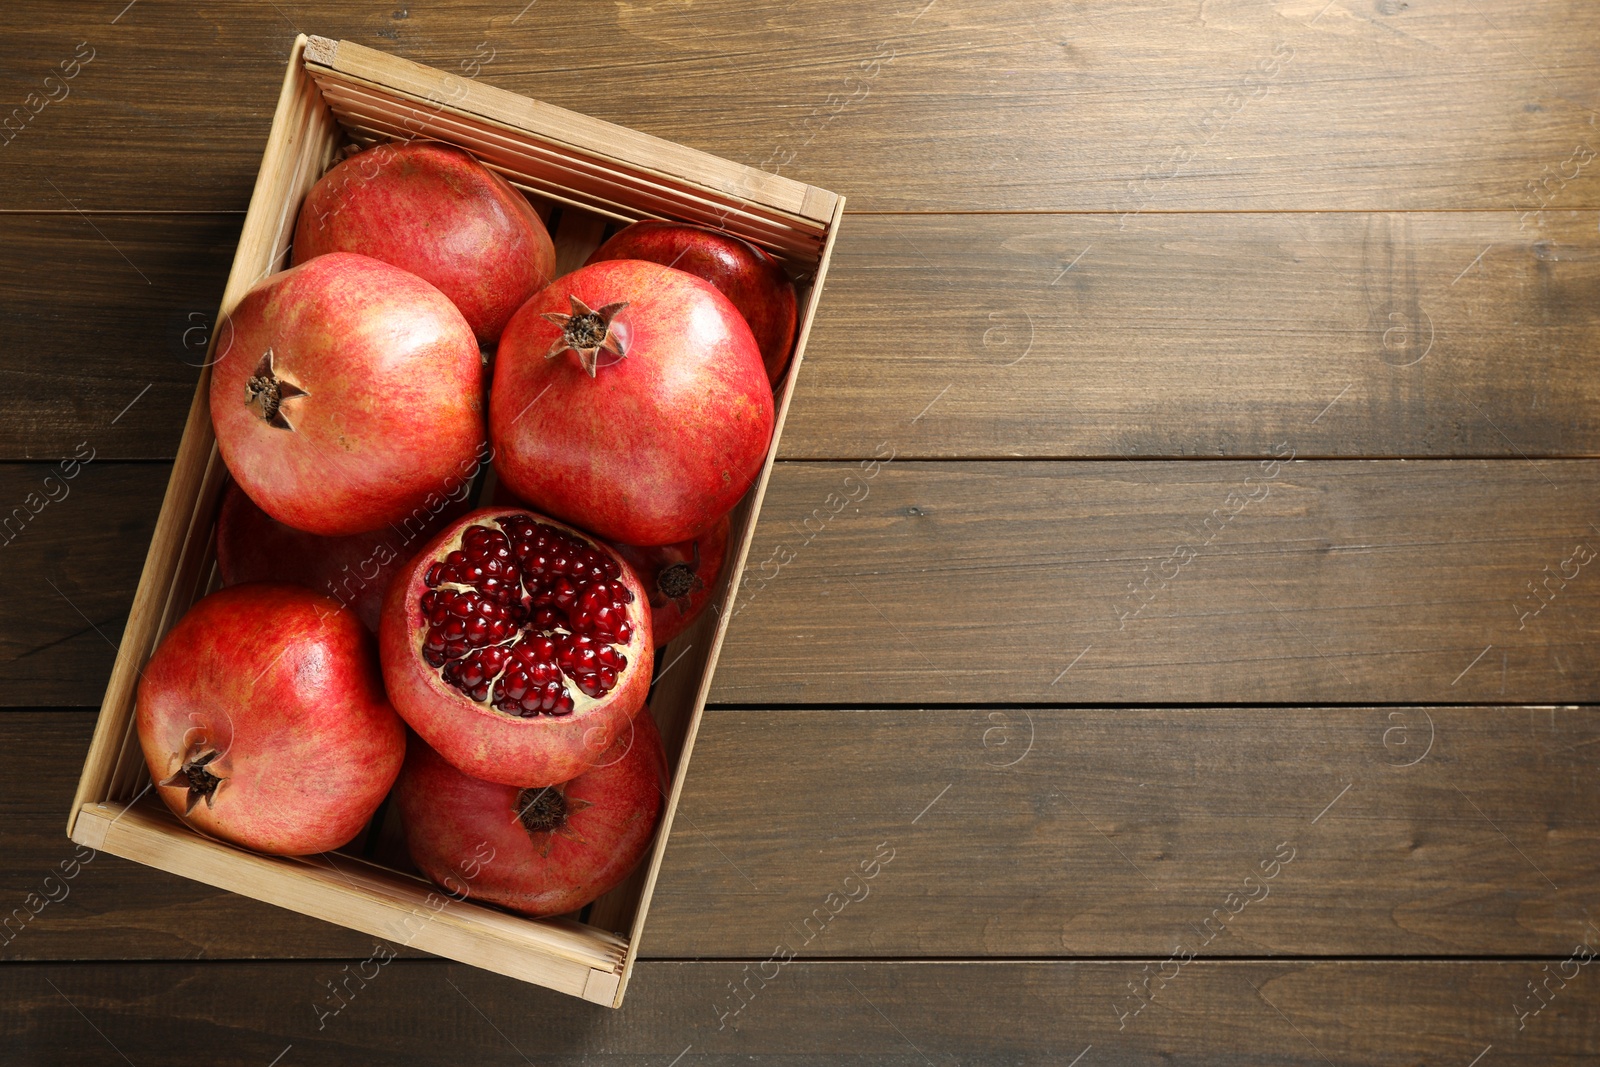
1208,654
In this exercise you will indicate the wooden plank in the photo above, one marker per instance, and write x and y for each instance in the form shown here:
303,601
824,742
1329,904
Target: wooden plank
1341,582
1132,582
558,954
1207,335
369,111
1211,335
108,322
301,145
711,630
1049,833
1293,1013
572,156
64,901
1152,107
78,559
617,148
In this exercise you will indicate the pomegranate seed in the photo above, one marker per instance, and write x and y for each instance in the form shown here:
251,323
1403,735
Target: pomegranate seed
540,609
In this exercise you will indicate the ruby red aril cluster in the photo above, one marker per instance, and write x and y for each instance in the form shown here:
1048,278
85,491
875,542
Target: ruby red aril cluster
516,613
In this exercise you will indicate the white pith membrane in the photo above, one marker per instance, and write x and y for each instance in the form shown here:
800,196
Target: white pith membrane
615,639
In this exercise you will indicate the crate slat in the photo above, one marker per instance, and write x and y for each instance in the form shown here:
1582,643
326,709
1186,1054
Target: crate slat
358,895
298,110
612,156
376,117
743,523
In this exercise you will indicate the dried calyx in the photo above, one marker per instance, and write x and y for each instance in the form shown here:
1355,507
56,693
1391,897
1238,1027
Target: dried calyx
200,782
547,811
677,581
267,393
587,331
522,613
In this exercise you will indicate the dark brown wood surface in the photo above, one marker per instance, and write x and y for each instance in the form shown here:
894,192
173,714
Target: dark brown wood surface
978,105
1214,335
1039,583
1050,833
414,1012
1085,648
1175,582
1211,334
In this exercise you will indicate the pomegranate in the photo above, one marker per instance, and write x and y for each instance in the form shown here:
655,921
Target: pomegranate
263,720
347,392
629,399
517,647
679,579
355,570
437,212
544,850
746,275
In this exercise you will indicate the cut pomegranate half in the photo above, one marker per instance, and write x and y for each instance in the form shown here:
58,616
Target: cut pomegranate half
517,646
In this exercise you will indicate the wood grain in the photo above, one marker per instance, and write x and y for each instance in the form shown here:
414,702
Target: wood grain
966,336
402,908
1276,206
1295,1014
989,105
76,562
108,319
104,907
1098,832
1047,833
1342,582
1132,582
566,155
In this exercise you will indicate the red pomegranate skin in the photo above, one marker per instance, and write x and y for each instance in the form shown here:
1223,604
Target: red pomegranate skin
749,277
679,578
480,739
660,442
466,834
434,210
355,570
393,382
284,688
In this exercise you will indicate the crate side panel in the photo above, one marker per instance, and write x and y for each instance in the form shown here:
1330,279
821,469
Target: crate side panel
354,894
300,119
724,605
370,110
618,146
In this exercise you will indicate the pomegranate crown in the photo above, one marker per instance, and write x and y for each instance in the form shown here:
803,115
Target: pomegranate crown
266,393
588,330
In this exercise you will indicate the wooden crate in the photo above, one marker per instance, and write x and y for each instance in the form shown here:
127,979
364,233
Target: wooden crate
592,177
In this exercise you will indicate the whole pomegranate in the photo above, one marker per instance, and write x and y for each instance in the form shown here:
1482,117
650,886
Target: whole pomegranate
544,850
747,276
264,722
517,647
355,570
437,212
347,392
679,579
629,399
